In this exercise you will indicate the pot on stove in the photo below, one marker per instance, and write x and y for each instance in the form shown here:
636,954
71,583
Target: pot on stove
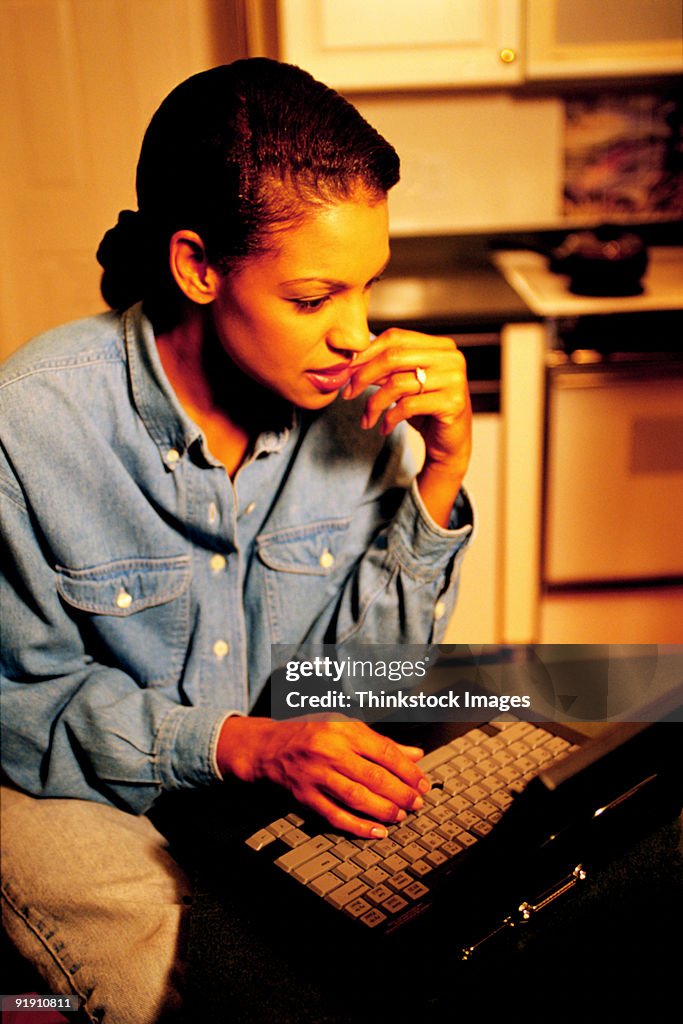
607,261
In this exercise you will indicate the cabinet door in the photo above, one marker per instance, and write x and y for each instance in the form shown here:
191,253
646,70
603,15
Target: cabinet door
391,44
582,38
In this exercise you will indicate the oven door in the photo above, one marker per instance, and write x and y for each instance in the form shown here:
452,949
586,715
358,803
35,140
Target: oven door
614,473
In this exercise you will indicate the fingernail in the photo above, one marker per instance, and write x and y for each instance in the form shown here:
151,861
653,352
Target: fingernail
379,833
418,802
401,815
424,785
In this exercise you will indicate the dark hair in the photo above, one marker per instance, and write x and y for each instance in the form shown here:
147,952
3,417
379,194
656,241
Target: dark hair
233,153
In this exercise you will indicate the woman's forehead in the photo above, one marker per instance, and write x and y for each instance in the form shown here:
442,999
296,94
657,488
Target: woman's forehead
333,242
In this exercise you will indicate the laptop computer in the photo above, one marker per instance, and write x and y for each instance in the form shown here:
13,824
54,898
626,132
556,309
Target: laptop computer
519,814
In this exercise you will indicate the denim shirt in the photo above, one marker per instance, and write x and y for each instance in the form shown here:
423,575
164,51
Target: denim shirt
142,588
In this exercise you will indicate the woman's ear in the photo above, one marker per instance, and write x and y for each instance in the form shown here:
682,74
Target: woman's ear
190,267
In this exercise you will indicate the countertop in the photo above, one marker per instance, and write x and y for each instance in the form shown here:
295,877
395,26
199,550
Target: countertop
451,283
433,285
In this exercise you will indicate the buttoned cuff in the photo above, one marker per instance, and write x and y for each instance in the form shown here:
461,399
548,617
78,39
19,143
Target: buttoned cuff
187,746
423,548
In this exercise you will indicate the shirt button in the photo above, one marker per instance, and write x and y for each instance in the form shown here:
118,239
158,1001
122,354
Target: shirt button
217,563
123,599
221,648
250,508
213,513
439,610
172,456
327,559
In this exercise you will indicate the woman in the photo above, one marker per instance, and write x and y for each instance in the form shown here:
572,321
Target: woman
191,478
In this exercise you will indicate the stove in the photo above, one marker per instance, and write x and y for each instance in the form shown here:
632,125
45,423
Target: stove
547,294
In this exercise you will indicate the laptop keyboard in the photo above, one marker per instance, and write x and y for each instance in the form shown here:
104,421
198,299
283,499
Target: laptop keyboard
378,882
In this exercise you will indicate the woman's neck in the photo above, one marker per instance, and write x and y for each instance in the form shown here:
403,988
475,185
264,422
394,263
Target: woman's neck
230,408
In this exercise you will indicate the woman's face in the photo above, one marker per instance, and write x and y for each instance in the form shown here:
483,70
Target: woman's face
294,318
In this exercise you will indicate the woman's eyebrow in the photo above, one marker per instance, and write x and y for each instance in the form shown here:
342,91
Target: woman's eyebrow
333,282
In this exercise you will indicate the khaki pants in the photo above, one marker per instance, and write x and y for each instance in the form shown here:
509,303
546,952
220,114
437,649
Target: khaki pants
92,897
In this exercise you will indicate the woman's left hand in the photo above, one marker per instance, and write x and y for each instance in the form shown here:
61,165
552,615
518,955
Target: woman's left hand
438,407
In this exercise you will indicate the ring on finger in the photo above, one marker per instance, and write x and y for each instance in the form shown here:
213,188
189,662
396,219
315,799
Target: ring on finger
420,377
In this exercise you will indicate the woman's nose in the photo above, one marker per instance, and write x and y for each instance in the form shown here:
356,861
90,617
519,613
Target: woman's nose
351,332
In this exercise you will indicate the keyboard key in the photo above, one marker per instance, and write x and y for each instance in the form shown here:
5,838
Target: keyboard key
412,852
400,881
373,918
424,825
459,803
467,819
317,866
437,757
461,762
358,907
492,783
295,819
455,785
416,890
260,839
347,893
538,737
451,848
485,808
295,837
436,858
482,828
385,847
435,797
432,841
345,849
394,864
279,827
375,875
395,903
404,835
475,794
440,814
421,868
501,799
365,858
467,839
293,858
347,870
379,894
324,884
449,830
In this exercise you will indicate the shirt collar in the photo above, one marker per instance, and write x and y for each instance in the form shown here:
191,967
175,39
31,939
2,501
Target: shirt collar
168,424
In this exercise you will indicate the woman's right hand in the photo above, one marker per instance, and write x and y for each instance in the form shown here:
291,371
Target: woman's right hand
342,769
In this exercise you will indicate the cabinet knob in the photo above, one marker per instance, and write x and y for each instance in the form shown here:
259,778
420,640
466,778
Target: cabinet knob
508,56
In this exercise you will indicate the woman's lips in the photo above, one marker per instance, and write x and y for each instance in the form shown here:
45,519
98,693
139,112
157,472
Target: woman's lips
332,378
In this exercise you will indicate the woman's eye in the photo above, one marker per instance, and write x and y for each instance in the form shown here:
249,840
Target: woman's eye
310,305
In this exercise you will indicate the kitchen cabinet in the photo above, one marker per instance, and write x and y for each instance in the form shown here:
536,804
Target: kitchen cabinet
582,38
387,44
397,44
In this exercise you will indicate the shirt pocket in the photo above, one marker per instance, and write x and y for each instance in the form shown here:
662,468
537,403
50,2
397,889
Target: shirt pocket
134,614
304,568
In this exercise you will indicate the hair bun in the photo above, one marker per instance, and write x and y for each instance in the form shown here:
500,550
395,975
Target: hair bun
123,253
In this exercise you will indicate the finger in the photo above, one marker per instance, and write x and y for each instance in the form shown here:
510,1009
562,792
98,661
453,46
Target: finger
368,786
444,407
401,385
389,755
344,820
396,360
414,753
